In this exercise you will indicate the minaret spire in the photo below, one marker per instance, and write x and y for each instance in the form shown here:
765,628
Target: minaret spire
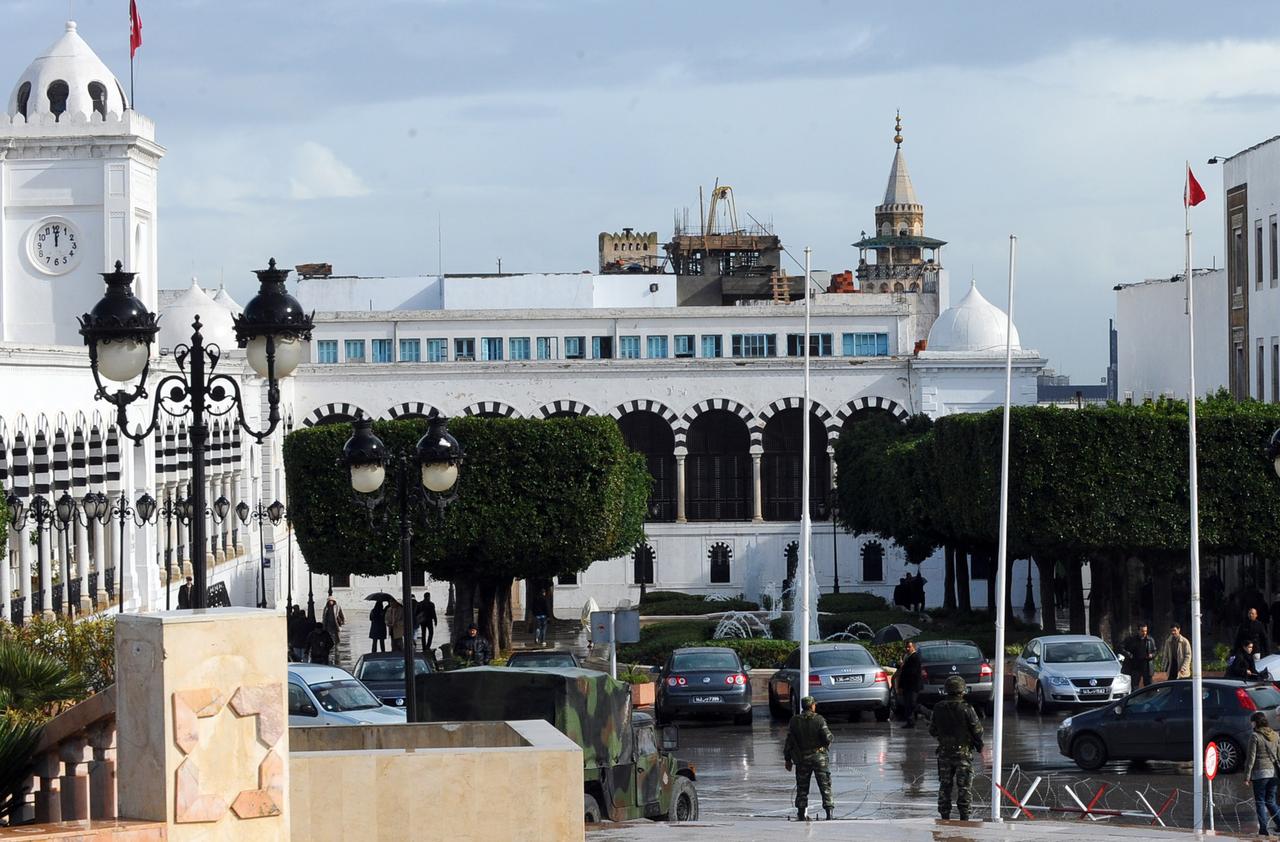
897,128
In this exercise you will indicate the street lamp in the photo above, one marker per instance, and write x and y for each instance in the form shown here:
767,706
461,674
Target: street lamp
119,331
123,512
168,512
41,513
827,508
425,477
90,508
260,513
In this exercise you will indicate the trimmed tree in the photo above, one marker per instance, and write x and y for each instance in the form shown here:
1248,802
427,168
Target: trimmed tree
536,499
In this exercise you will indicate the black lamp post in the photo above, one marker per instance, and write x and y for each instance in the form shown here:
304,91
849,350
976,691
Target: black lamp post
168,512
90,508
273,330
426,477
42,514
261,513
827,508
123,512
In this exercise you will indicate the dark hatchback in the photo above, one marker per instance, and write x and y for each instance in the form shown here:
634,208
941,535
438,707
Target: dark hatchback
704,681
543,659
1154,723
383,674
941,659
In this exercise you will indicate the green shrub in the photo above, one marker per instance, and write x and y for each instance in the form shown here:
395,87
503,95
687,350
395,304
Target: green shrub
674,603
87,648
657,640
758,652
851,603
635,675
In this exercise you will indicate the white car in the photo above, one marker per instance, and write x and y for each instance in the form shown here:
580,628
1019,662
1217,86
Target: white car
325,695
1068,670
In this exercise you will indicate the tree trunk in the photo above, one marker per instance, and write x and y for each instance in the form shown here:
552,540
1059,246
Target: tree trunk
1162,597
1048,609
502,642
991,583
463,609
487,615
949,578
1102,599
1075,596
963,600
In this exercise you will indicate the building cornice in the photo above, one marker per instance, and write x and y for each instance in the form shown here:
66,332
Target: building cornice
586,368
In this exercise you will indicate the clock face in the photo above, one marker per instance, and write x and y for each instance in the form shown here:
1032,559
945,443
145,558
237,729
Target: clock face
54,246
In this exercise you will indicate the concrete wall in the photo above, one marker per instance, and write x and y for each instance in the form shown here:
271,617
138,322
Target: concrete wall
1151,335
1259,168
468,782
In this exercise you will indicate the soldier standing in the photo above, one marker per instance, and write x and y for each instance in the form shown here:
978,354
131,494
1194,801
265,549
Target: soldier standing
956,726
808,739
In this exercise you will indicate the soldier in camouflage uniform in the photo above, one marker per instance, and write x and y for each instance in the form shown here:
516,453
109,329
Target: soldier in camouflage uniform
808,739
958,731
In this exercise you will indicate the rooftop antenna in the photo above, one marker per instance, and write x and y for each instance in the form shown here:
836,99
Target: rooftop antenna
439,246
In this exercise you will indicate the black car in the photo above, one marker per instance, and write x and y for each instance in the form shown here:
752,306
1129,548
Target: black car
383,674
543,658
704,681
1154,723
941,659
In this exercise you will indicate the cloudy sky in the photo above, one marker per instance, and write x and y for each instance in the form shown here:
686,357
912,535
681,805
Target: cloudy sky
319,130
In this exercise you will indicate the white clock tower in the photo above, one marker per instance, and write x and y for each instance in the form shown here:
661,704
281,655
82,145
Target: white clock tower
78,192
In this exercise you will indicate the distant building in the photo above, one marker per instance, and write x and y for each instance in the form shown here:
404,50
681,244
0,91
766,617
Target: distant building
630,251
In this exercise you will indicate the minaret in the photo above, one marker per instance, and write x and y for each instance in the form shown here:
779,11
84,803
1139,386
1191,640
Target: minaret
898,243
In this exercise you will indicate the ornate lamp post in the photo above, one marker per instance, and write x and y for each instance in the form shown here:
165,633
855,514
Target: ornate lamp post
41,513
92,507
123,512
273,330
828,507
168,512
261,513
425,477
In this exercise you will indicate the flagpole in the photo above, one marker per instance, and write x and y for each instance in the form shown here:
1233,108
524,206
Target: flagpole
806,528
1002,558
1197,675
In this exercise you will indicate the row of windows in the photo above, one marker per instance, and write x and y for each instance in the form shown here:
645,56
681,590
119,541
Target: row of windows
631,347
720,558
1259,266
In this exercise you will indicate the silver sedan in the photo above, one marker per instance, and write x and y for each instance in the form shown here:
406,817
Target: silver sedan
843,678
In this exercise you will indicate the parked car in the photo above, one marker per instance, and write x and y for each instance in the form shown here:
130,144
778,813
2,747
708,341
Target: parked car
325,695
941,659
843,678
383,673
543,658
1154,723
1060,670
704,681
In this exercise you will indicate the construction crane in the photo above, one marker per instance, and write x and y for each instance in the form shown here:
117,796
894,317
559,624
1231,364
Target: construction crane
721,193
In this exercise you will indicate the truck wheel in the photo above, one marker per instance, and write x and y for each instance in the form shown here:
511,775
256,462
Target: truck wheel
684,801
591,813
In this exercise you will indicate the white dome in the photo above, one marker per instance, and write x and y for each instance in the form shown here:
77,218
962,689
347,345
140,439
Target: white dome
215,319
224,298
68,76
974,324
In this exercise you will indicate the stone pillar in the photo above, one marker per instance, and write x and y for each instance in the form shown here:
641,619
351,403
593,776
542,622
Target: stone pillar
82,567
44,549
6,585
75,779
102,771
680,489
203,717
757,487
23,542
100,564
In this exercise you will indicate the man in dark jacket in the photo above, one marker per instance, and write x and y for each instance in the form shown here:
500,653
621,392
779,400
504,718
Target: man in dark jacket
807,749
319,644
959,734
1254,631
184,595
426,616
1142,656
910,681
474,649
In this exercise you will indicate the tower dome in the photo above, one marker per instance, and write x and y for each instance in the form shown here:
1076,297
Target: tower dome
224,298
215,320
972,325
67,80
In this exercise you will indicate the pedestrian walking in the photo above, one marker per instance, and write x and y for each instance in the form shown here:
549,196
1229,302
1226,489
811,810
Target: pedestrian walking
474,649
540,607
427,621
319,644
296,628
917,592
910,682
959,733
1262,769
1142,657
1254,631
1177,654
378,627
808,750
184,595
395,624
334,620
1242,664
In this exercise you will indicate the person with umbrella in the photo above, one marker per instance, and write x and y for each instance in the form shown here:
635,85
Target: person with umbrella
378,627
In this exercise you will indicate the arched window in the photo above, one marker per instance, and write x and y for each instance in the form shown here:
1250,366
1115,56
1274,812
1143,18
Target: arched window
718,467
642,557
58,93
649,433
898,287
98,95
720,555
792,556
334,418
24,98
873,562
884,287
781,466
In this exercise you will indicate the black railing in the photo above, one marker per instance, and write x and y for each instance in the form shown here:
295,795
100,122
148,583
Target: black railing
15,611
111,583
93,586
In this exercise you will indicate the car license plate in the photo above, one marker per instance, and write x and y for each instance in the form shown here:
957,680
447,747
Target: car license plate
703,699
846,679
1094,691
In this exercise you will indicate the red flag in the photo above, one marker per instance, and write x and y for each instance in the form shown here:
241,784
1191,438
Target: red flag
1193,193
135,28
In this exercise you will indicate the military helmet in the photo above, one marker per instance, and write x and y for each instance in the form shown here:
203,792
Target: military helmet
954,685
808,701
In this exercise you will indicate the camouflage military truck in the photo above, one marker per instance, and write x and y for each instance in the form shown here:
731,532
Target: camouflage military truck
628,775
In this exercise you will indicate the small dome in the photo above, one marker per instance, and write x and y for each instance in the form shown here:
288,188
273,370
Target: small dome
224,298
215,319
68,79
972,325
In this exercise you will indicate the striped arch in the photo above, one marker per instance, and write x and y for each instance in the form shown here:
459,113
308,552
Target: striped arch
643,405
492,409
564,408
324,414
412,409
859,404
819,411
682,429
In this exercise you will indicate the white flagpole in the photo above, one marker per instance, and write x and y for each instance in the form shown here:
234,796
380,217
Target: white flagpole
1002,558
806,528
1197,676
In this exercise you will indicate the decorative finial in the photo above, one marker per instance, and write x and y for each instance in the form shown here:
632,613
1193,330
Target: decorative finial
271,264
897,127
71,26
119,266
